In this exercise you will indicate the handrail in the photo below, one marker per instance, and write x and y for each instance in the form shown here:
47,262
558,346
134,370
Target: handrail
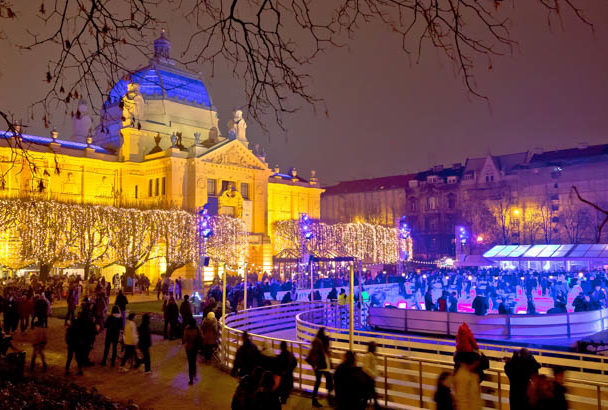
399,383
438,341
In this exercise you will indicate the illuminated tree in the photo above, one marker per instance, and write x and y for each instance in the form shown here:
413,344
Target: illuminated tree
177,232
93,234
229,243
47,233
502,209
134,234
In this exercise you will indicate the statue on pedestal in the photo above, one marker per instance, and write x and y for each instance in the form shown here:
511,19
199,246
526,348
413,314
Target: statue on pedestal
237,127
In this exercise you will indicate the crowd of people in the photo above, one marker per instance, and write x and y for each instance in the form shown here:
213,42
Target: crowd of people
528,389
506,292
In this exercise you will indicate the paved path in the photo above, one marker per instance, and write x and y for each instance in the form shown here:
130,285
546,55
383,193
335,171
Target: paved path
167,386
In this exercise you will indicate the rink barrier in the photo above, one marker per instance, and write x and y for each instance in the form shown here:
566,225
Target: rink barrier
408,368
493,326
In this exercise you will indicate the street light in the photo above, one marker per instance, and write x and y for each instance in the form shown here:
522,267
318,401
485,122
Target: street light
204,233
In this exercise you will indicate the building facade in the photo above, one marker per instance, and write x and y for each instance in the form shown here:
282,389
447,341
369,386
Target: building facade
525,197
158,144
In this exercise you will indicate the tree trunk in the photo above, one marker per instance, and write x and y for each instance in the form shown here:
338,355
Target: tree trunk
87,271
130,271
45,270
169,271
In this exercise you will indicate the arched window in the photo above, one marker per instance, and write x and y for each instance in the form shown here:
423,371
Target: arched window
432,202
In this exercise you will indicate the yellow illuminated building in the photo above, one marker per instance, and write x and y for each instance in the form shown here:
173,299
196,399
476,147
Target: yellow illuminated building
158,144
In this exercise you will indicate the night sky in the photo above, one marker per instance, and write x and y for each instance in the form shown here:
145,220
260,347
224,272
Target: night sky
388,115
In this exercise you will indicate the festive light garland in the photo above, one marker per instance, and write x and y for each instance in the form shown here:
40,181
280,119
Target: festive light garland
368,242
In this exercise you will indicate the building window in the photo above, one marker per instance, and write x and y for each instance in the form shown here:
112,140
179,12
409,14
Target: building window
452,180
211,187
468,176
150,188
136,193
245,190
432,203
156,185
164,186
451,201
489,178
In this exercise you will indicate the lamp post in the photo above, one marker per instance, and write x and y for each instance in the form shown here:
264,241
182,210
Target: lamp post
305,228
204,232
352,306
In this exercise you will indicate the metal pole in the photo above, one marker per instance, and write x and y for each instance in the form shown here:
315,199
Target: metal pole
245,289
312,283
201,272
360,292
224,295
351,307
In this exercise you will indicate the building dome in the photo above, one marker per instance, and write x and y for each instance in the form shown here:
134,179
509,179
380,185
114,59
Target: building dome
161,80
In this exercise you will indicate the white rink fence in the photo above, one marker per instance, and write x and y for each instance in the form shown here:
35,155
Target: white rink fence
408,365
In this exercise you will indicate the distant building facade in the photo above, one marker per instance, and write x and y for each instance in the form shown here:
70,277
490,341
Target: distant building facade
525,197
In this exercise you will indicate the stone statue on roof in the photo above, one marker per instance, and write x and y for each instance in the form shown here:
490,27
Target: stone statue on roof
133,105
237,127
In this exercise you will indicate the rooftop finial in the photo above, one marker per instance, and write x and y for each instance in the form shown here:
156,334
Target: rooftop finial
162,47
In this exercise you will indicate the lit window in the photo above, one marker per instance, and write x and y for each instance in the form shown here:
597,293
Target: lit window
211,187
245,190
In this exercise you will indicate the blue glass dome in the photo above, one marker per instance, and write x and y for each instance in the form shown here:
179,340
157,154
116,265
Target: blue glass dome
157,82
161,80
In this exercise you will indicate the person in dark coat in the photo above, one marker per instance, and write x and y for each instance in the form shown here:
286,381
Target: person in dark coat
171,315
285,364
122,302
210,332
480,304
191,340
318,358
113,326
352,385
145,341
246,359
519,369
185,310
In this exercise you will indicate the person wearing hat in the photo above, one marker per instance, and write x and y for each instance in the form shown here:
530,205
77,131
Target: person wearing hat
210,331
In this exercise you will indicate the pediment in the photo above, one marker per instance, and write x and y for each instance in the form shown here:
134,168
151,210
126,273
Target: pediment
235,154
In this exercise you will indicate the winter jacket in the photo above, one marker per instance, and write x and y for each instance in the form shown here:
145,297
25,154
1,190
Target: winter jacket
113,326
210,331
192,338
131,337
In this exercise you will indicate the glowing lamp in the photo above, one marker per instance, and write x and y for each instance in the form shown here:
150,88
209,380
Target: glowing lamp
424,276
470,277
480,238
580,275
